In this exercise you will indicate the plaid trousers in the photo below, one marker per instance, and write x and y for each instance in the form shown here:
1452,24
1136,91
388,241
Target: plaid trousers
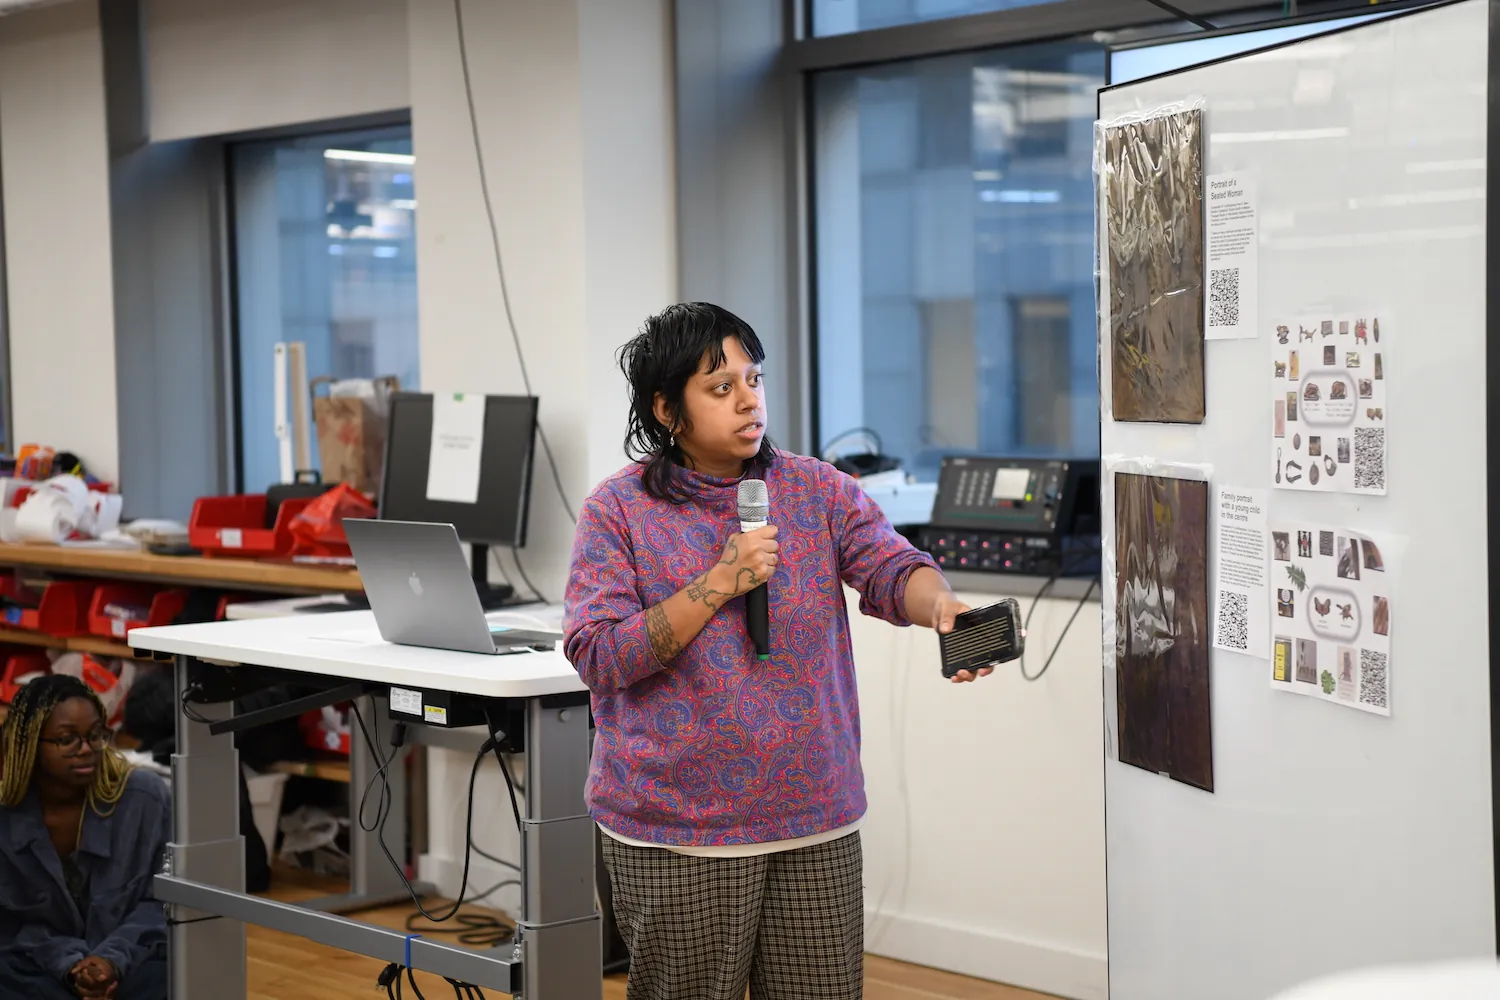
789,925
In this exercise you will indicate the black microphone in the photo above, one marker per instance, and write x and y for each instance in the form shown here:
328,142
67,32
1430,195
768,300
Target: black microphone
755,510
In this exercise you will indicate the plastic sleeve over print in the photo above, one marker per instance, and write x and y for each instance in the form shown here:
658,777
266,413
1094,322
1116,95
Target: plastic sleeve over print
1156,626
1150,167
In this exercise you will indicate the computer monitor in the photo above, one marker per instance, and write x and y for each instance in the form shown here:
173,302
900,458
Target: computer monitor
498,515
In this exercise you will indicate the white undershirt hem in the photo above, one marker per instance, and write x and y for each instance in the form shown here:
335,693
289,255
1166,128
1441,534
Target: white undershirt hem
742,850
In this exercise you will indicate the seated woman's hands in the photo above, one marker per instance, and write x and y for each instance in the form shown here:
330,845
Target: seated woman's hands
94,978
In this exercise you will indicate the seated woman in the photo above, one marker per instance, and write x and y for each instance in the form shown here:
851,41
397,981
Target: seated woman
81,836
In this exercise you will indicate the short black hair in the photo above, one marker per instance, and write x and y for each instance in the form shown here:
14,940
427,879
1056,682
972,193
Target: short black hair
670,349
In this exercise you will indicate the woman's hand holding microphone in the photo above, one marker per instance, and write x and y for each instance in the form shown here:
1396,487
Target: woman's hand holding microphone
748,560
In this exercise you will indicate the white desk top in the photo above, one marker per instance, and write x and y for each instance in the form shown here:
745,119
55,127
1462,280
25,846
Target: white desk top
347,644
278,607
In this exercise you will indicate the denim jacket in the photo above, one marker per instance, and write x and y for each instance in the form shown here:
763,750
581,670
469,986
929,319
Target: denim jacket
119,853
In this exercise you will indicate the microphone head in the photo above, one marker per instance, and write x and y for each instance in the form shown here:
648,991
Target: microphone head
755,502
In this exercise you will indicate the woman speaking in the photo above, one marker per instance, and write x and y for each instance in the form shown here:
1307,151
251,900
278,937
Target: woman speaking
729,788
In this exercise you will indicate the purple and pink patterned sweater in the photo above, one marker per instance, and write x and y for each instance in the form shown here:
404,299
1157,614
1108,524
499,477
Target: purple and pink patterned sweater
716,747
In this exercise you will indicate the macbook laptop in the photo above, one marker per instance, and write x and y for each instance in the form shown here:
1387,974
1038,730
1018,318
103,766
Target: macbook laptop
420,590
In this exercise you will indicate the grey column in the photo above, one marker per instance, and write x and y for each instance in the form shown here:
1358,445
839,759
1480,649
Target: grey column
560,929
207,957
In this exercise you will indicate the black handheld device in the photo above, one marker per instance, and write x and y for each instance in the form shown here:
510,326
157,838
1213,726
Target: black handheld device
983,637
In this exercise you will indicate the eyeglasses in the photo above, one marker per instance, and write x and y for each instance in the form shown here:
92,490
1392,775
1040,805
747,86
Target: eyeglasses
72,743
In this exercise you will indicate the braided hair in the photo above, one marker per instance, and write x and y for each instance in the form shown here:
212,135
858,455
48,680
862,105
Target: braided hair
23,729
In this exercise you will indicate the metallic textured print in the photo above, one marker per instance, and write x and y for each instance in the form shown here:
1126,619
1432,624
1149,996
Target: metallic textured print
1153,177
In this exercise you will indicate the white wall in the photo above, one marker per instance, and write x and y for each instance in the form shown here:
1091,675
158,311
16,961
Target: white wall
984,842
629,197
220,66
54,160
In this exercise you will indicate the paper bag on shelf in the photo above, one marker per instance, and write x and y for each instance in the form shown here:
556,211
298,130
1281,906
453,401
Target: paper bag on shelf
351,421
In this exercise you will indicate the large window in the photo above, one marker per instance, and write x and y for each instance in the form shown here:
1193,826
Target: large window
954,253
325,247
839,17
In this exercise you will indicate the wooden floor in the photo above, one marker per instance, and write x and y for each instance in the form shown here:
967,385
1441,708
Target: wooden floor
282,967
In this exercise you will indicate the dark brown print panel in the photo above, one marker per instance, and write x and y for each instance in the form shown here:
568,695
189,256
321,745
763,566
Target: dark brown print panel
1161,627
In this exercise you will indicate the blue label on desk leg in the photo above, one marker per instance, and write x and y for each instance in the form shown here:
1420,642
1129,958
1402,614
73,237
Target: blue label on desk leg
408,948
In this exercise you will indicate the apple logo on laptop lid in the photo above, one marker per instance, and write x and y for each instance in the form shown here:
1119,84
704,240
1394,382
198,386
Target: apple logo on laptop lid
415,583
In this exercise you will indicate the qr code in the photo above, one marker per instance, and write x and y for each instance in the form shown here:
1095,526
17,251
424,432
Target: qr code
1224,297
1372,678
1234,613
1369,458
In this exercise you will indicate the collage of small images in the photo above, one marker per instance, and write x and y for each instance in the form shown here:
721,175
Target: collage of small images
1328,403
1332,626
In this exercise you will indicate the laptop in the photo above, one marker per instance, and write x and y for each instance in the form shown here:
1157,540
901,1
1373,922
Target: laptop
422,594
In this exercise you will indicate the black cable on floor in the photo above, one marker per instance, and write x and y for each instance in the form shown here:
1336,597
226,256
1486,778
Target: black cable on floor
473,929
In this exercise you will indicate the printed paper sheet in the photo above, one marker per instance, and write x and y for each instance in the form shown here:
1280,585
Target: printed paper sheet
1328,404
1332,626
457,446
1233,259
1242,595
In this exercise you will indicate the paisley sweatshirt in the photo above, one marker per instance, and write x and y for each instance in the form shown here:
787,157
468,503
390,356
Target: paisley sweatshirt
717,747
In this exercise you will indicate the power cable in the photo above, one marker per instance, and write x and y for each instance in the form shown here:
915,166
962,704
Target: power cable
489,212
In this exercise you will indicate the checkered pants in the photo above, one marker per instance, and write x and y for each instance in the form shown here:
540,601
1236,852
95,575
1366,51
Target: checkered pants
788,925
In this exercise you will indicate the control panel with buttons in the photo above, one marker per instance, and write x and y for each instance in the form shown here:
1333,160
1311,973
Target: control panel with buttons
1017,515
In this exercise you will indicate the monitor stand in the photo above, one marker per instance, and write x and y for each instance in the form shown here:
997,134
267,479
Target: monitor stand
492,596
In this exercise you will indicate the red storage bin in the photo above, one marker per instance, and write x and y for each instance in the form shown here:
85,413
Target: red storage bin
10,587
63,610
17,663
235,526
222,608
160,607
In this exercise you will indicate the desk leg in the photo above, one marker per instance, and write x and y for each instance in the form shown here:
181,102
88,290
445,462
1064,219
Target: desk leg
560,928
372,880
207,959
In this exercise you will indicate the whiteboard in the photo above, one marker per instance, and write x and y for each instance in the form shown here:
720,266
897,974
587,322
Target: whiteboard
1334,839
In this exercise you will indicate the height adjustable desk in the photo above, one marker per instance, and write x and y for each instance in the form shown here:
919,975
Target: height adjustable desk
557,954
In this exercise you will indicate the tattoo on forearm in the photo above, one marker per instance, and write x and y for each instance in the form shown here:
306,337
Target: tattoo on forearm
700,591
731,553
748,580
663,639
